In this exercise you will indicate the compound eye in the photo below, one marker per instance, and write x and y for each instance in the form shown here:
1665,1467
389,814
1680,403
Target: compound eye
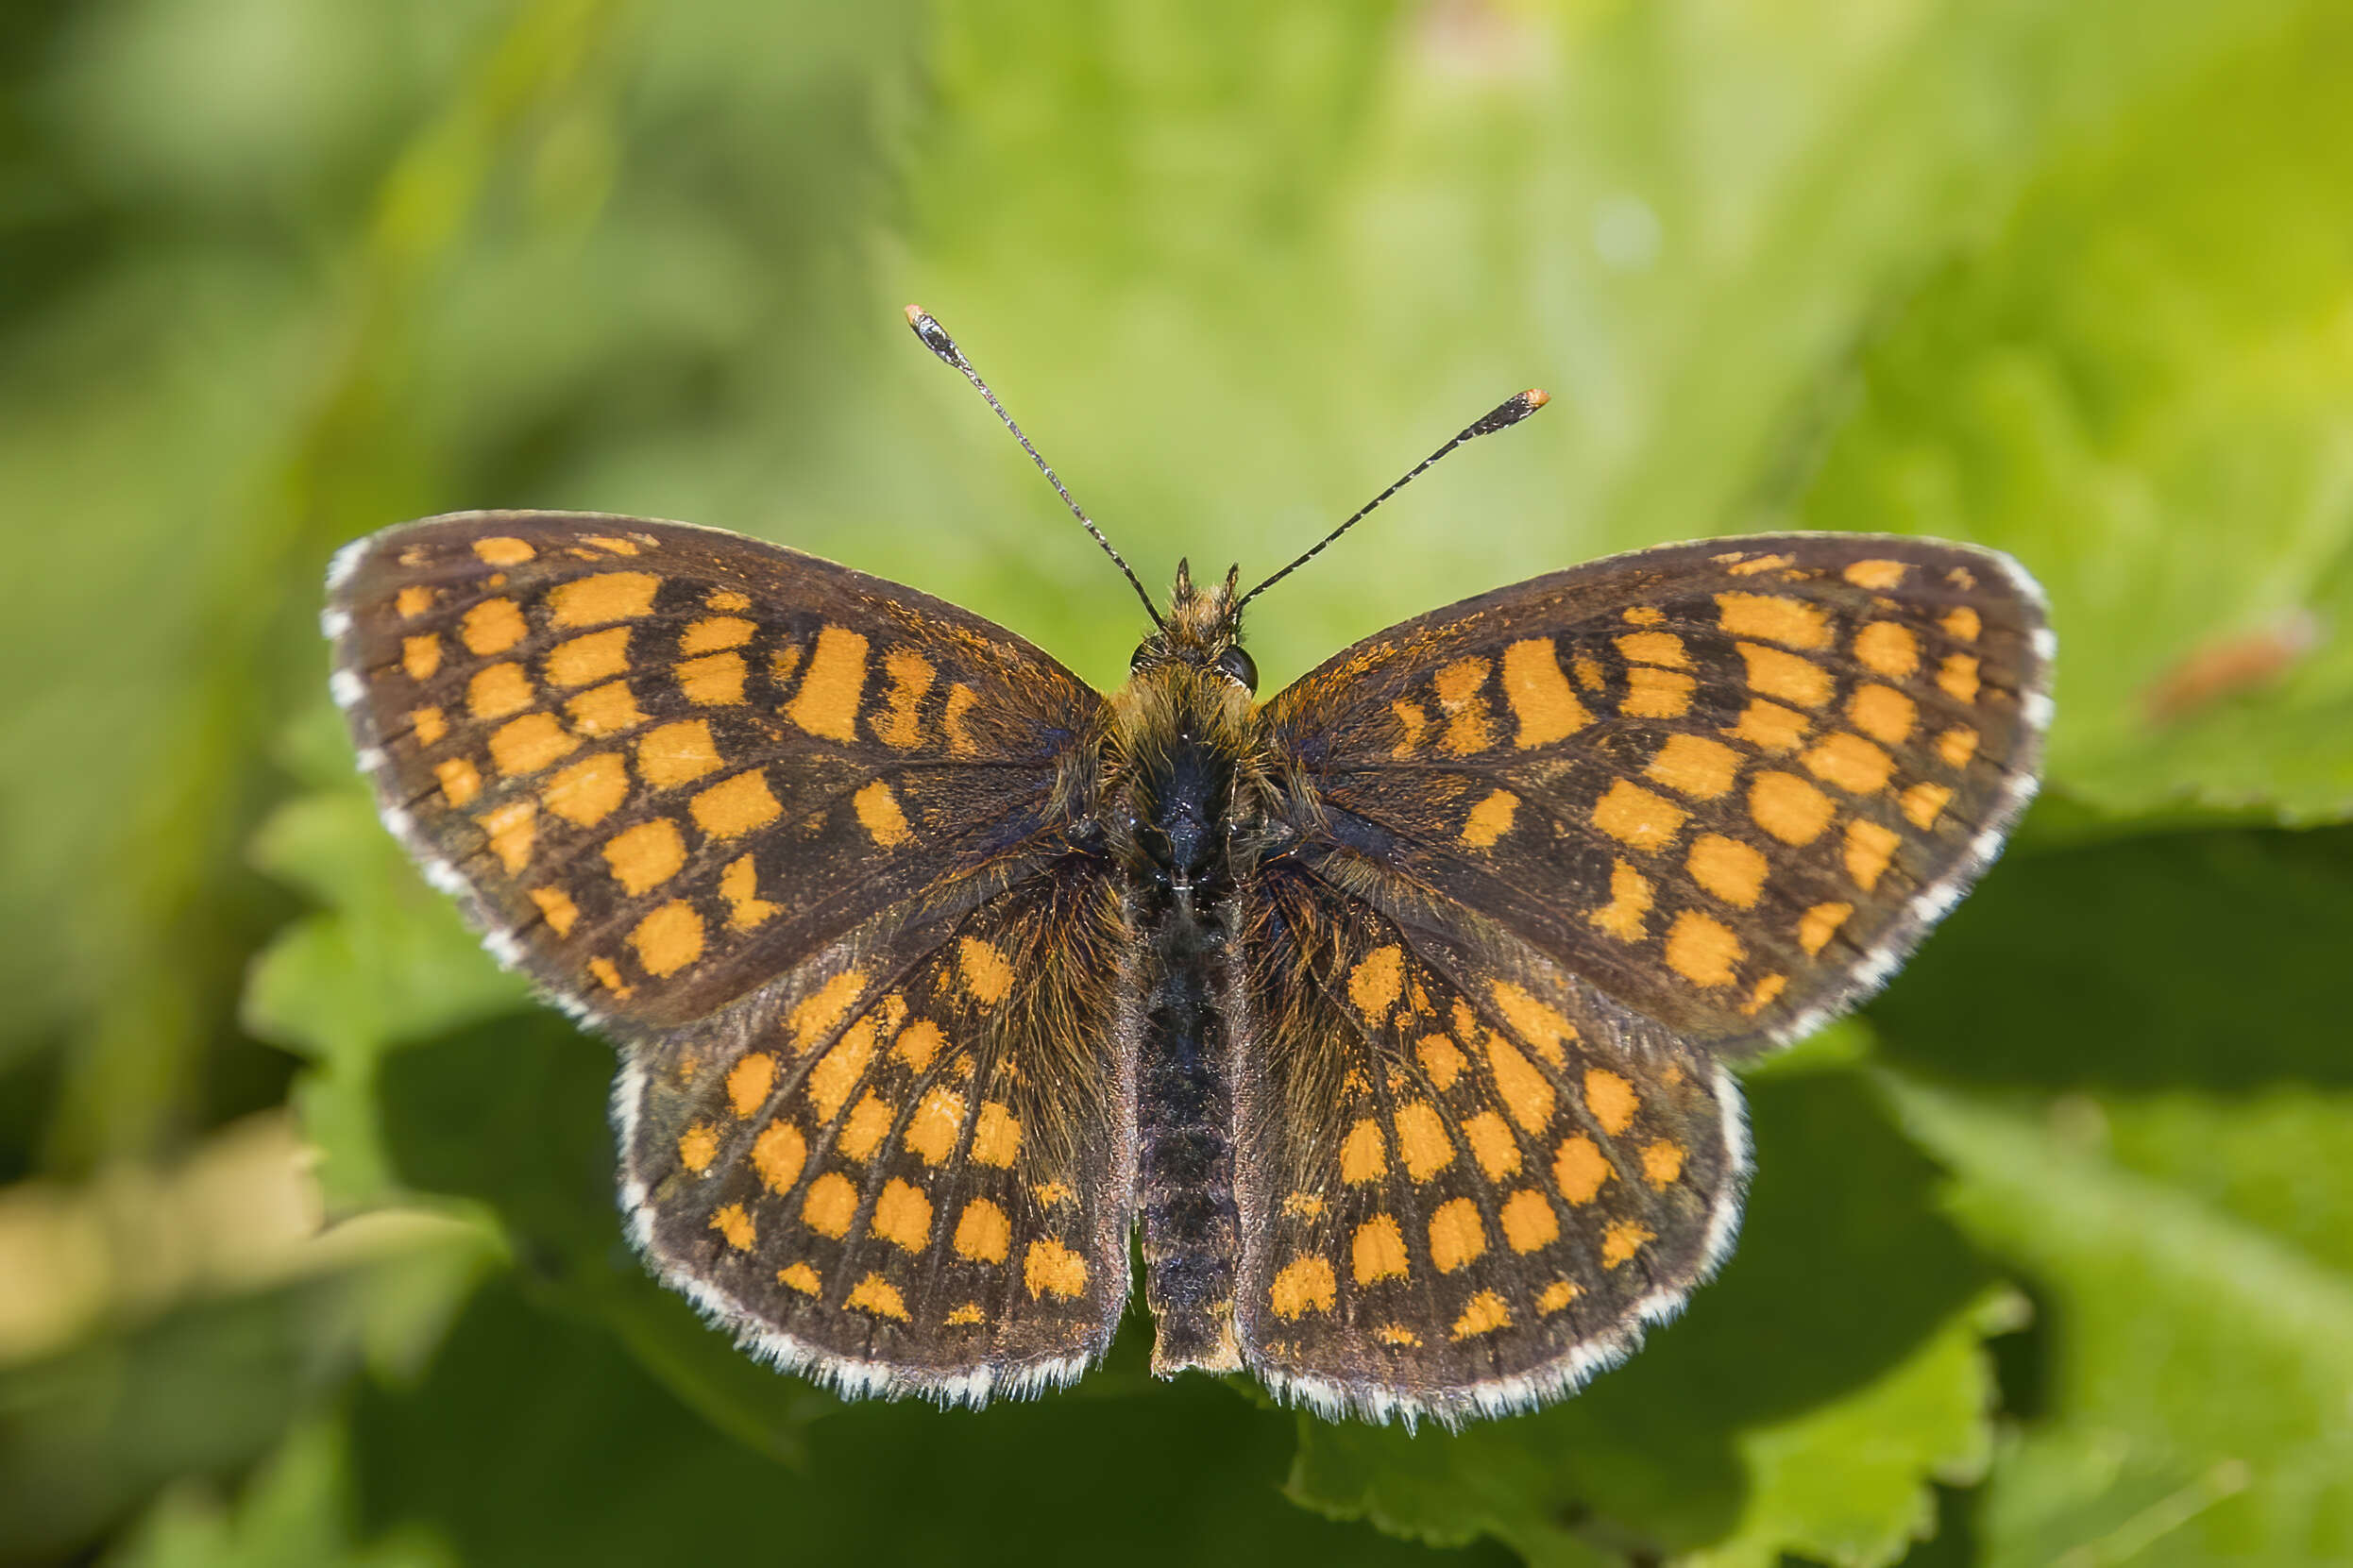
1143,652
1239,667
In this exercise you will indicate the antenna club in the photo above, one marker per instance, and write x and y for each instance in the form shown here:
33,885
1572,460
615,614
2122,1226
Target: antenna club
916,315
1536,396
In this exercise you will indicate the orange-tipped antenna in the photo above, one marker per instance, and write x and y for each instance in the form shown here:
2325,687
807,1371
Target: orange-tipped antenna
936,339
1502,416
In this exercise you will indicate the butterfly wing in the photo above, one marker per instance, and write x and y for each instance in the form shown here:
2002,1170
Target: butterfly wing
1551,854
1474,1177
1730,784
793,835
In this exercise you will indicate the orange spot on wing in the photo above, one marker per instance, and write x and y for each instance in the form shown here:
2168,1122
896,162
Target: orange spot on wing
420,656
527,744
1539,694
1625,916
606,711
589,790
1578,1169
1305,1285
1654,648
827,702
1442,1061
493,626
1787,807
801,1277
736,1225
749,1082
988,975
1769,726
1458,686
1050,1268
877,1295
1774,619
1492,1146
1850,763
557,908
911,676
497,691
878,813
502,551
1694,765
459,780
1526,1093
1422,1140
1542,1026
1662,1163
1621,1239
1378,1250
1784,676
938,1119
1456,1236
1490,819
1611,1099
698,1146
1730,869
1363,1153
511,828
739,806
1703,949
983,1234
997,1136
903,1215
1957,677
714,681
674,753
1635,817
1654,693
1377,982
1887,649
1484,1314
668,939
713,632
778,1153
1924,803
1818,925
598,656
1875,574
831,1205
606,597
1869,848
643,857
1529,1221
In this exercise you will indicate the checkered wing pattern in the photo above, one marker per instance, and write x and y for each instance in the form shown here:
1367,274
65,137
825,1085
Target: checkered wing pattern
1729,784
907,1167
660,765
793,835
1474,1179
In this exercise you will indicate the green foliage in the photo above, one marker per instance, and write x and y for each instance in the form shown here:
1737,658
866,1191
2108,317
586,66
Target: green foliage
2051,1257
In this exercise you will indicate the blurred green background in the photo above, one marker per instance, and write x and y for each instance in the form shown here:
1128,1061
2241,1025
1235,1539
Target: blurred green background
307,1246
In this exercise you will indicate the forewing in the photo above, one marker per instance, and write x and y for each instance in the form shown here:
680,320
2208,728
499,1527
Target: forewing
1468,1179
1732,784
907,1167
661,764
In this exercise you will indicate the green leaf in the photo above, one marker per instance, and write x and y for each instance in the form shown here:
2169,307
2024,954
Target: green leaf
2201,960
536,1439
1802,1405
2199,1365
2143,384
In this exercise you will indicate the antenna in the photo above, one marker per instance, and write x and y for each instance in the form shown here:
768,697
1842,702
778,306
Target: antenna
1501,418
936,339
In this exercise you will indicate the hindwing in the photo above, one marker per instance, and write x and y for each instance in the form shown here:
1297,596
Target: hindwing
1472,1178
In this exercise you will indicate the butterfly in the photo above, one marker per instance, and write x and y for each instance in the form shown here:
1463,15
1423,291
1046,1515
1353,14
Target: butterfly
1395,1014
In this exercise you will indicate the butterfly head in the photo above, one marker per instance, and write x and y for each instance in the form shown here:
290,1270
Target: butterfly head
1203,632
